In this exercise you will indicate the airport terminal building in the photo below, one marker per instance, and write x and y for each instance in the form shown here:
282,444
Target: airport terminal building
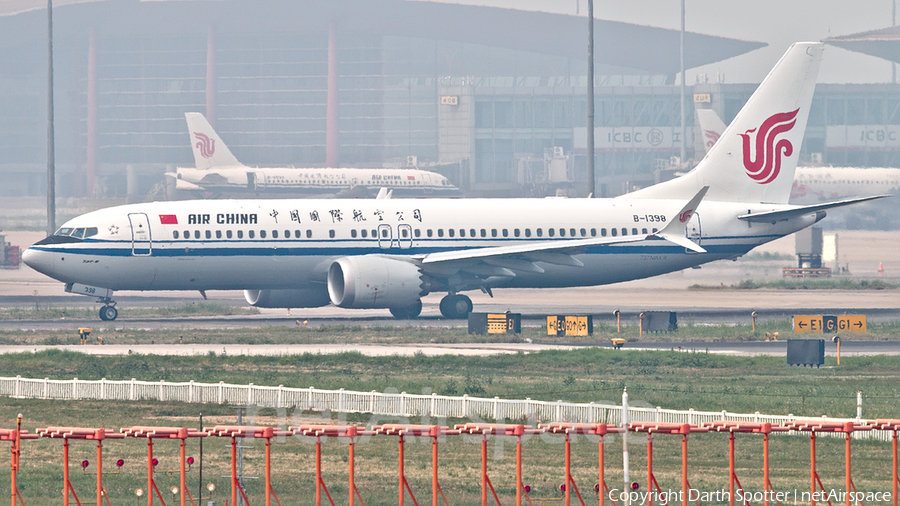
493,98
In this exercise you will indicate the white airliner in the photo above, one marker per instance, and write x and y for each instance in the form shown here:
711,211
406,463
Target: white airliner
217,171
818,184
389,253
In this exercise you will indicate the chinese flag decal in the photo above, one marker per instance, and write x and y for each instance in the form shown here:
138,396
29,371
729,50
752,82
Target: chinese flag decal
168,219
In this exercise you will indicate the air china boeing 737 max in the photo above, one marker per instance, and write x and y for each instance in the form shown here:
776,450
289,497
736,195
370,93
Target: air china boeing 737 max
389,253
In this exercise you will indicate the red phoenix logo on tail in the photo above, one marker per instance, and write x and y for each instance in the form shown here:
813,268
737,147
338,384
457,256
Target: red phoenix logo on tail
712,135
206,145
765,168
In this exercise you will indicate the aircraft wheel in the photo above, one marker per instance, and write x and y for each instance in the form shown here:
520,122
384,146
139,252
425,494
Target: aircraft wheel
456,307
108,313
407,313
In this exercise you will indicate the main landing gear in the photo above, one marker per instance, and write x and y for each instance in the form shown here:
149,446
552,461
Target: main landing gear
456,306
407,313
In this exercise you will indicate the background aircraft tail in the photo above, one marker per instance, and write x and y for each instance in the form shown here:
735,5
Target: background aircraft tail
209,150
755,159
711,127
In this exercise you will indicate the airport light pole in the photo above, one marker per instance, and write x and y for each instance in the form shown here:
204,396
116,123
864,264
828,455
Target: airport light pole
590,102
681,55
51,162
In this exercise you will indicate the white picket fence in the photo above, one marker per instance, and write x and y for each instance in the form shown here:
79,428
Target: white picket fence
401,405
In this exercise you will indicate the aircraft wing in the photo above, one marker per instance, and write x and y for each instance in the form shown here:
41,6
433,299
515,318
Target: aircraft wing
785,214
503,261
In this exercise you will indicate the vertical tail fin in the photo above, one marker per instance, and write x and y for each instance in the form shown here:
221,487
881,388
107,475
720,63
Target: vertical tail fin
711,127
755,159
209,150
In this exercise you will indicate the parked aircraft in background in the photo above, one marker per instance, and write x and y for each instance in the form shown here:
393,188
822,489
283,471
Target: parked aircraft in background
818,184
389,253
217,171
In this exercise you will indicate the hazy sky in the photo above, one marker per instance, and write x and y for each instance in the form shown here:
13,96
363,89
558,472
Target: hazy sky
776,22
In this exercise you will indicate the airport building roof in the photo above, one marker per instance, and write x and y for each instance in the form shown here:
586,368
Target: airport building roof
883,43
616,43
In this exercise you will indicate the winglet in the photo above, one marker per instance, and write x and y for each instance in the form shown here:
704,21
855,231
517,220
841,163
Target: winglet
384,193
674,230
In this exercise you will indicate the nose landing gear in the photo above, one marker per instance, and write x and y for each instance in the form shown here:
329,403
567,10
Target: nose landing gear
108,312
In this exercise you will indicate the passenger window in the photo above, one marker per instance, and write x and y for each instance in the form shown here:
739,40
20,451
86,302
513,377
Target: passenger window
228,234
624,231
187,234
462,232
364,233
251,234
262,234
643,230
655,230
572,232
428,232
471,232
174,234
274,234
527,232
603,232
483,233
583,233
516,232
384,232
287,234
240,234
450,232
540,232
196,234
218,234
404,233
440,232
593,232
505,233
309,234
331,234
562,232
297,234
417,233
353,233
208,234
551,231
634,231
614,231
493,232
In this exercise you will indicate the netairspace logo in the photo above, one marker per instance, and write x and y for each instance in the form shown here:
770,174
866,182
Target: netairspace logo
637,498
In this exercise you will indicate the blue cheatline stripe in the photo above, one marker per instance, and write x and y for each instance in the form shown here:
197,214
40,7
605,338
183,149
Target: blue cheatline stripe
273,250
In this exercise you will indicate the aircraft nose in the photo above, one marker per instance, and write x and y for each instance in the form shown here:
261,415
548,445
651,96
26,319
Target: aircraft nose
41,261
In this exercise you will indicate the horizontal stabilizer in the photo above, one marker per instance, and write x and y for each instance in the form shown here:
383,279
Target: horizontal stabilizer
786,214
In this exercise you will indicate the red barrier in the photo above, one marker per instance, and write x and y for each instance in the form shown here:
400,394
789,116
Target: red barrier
894,426
343,431
812,426
151,433
16,436
243,431
83,433
500,429
667,428
597,429
753,428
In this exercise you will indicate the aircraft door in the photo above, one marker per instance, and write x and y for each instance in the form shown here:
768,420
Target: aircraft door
141,244
694,231
404,236
252,181
385,236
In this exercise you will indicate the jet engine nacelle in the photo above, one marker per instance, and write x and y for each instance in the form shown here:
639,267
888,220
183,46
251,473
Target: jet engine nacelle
296,298
373,281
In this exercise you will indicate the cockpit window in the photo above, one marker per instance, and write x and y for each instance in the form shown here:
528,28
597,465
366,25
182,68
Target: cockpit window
78,233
